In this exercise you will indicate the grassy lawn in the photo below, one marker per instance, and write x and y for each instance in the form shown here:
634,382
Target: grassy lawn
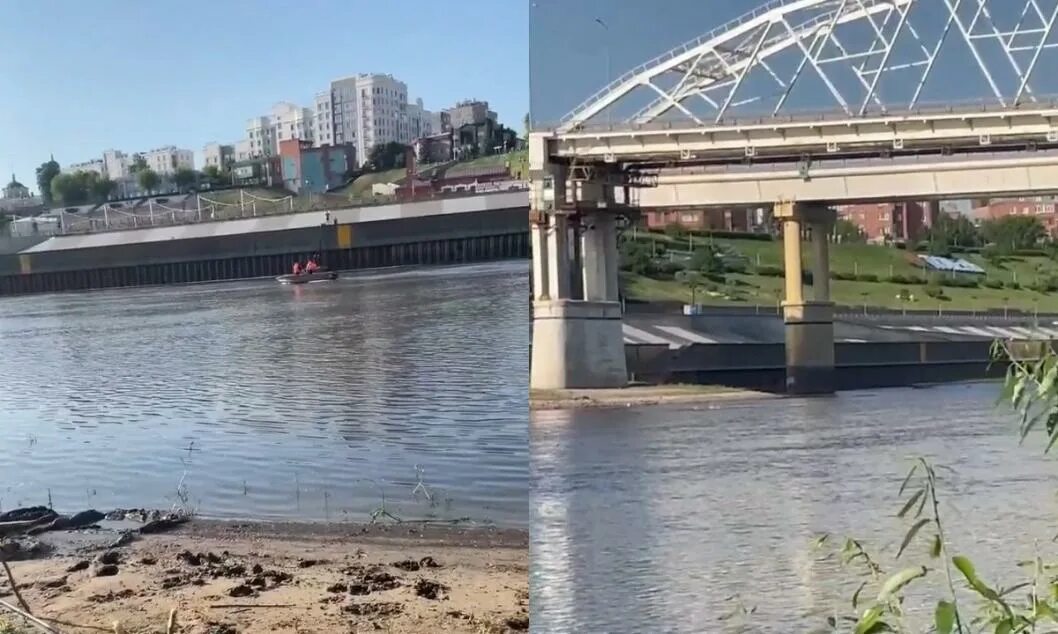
859,259
516,159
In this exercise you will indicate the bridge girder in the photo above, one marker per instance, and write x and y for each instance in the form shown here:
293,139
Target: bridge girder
713,68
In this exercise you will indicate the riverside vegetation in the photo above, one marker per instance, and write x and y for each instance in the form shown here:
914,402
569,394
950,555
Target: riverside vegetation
1029,606
721,268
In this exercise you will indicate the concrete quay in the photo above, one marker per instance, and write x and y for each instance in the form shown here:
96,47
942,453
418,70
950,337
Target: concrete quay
447,231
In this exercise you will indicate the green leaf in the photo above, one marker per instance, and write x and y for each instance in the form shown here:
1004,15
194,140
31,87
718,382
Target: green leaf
911,534
980,587
869,620
821,540
1019,391
896,582
1050,444
911,502
907,478
1049,377
1004,627
936,548
944,617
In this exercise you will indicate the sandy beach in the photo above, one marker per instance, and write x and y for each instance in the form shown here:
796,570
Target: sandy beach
226,578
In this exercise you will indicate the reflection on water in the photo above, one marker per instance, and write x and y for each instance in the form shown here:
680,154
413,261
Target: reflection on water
277,402
661,519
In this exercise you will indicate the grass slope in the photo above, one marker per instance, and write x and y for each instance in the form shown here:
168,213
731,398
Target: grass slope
881,261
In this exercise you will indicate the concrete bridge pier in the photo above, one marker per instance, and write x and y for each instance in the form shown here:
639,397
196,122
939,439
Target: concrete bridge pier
809,323
578,341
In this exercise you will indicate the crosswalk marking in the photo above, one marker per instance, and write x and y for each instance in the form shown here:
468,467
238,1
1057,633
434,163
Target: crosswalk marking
683,333
642,336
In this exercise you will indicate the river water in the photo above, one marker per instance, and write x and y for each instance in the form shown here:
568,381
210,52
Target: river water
274,402
672,519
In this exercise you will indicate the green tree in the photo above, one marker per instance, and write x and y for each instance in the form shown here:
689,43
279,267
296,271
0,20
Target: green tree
846,231
45,174
708,261
73,189
101,188
184,178
148,180
385,156
950,232
139,164
213,175
1012,233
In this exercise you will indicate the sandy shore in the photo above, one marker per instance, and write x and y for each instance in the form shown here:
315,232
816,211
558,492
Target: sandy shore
639,396
223,578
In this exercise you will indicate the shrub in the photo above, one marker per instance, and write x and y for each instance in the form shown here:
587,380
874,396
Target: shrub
936,292
905,279
867,277
666,270
675,230
990,283
839,275
737,235
770,271
1014,286
958,282
1046,284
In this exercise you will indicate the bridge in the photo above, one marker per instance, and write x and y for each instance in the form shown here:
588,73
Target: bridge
734,117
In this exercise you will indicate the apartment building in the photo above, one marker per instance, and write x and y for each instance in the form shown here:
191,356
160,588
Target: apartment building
470,112
367,110
218,155
167,160
1043,208
94,165
883,222
263,134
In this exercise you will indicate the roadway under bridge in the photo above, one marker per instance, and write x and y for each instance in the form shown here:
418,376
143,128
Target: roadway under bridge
724,124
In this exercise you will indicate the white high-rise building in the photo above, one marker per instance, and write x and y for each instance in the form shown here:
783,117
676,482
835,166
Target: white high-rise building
116,164
218,155
286,121
324,119
292,122
262,137
243,150
168,159
367,110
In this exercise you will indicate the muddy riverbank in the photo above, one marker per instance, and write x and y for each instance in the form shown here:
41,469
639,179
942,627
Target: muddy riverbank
228,577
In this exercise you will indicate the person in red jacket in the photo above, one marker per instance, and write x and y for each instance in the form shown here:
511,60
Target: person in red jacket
297,268
311,267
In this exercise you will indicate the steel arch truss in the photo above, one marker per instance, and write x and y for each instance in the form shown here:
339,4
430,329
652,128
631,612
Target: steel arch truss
854,51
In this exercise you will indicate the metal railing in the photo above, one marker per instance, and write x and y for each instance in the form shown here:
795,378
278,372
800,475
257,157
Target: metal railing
206,209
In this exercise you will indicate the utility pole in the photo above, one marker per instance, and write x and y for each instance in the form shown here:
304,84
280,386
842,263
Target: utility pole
609,68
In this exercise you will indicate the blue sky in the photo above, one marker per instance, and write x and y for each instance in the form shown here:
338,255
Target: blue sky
79,77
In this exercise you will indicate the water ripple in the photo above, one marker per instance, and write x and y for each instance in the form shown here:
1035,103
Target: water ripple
297,402
651,520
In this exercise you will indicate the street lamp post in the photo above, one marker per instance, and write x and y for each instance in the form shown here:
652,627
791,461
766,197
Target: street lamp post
609,68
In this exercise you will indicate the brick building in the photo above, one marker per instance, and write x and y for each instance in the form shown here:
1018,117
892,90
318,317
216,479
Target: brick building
889,222
1041,207
740,219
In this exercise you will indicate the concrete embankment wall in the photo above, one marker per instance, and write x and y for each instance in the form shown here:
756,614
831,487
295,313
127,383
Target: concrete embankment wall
436,232
857,365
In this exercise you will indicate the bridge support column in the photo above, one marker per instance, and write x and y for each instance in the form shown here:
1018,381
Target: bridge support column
578,341
809,324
